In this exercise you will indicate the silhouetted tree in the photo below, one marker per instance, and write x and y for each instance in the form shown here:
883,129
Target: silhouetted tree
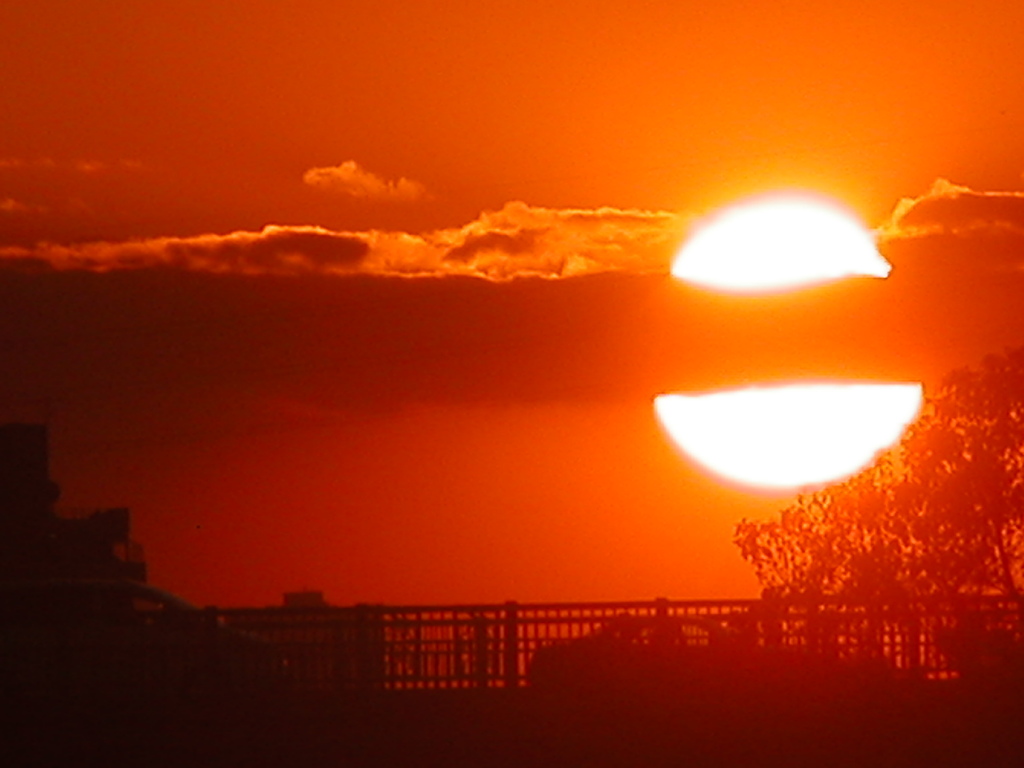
940,514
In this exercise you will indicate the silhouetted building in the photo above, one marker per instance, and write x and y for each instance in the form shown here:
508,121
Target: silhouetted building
36,541
304,599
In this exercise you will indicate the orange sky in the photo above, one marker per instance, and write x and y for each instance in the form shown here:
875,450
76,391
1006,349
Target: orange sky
210,212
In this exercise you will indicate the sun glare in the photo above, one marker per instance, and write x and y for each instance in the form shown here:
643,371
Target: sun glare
789,437
778,242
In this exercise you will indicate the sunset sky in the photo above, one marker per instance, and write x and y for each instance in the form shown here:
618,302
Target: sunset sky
374,298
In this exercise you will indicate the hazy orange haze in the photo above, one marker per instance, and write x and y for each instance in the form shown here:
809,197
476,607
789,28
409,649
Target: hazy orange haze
374,298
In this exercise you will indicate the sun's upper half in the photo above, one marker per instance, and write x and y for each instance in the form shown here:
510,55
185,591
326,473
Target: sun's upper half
776,242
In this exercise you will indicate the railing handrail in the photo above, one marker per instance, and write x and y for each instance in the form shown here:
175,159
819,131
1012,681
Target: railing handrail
374,646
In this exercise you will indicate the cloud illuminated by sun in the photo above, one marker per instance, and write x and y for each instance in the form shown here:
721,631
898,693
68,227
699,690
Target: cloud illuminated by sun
517,240
948,208
777,242
351,179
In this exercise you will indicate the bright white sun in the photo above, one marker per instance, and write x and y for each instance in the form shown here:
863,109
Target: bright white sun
777,242
789,437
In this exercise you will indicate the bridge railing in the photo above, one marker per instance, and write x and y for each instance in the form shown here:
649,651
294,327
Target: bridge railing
380,647
476,646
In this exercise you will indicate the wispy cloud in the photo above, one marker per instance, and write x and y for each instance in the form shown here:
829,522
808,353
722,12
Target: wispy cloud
517,241
349,178
948,208
960,227
90,166
955,232
21,163
84,166
274,250
9,205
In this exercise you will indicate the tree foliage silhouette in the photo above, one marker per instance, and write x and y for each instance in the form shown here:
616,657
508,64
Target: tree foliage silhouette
941,514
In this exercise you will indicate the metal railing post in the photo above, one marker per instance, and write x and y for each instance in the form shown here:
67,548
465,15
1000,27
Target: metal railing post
369,648
481,655
510,638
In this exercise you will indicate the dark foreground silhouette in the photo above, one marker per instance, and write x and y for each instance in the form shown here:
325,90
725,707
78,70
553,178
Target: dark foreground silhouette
149,682
99,669
909,724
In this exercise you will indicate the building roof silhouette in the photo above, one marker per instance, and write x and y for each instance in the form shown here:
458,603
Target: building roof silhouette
38,540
